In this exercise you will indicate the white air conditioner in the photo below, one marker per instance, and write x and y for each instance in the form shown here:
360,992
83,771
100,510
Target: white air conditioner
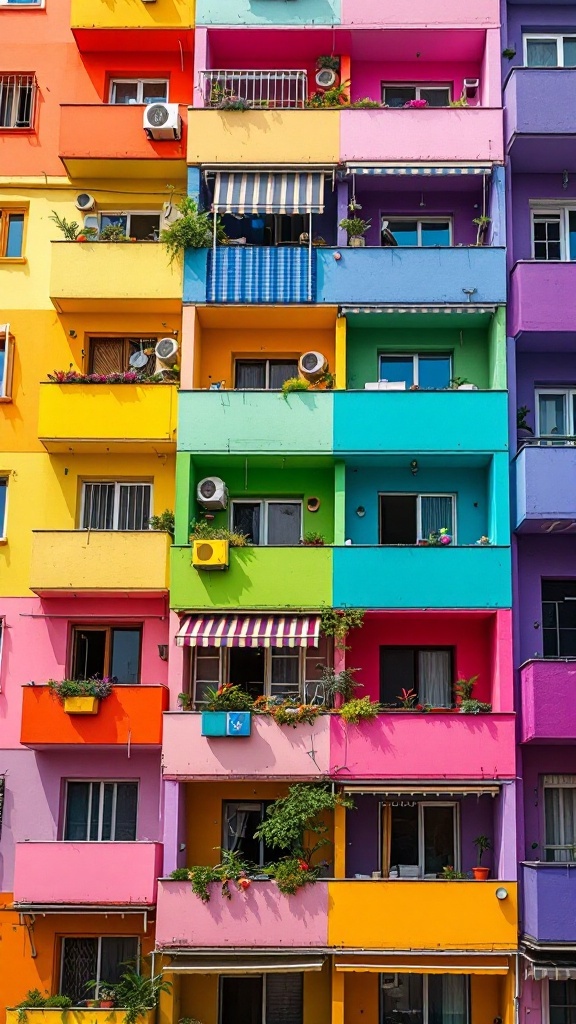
471,86
326,78
166,351
85,202
312,365
212,493
162,121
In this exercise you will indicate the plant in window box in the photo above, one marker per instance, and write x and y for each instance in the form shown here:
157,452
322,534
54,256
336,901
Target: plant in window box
234,103
359,709
34,1000
449,874
232,868
113,233
482,844
415,104
136,994
313,540
474,707
81,696
292,712
227,712
295,384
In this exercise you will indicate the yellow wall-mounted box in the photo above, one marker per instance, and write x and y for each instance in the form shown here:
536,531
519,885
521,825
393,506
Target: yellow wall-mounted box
210,554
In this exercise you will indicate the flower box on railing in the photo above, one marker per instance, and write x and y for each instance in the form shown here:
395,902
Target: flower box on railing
81,705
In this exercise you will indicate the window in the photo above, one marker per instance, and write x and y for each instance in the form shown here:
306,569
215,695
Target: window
417,231
239,823
11,234
408,518
144,227
116,506
94,959
559,618
274,671
21,3
420,839
556,412
3,504
17,100
424,999
107,652
550,51
399,95
101,811
112,355
264,374
560,817
553,234
428,372
139,90
561,1002
271,522
6,361
262,999
428,671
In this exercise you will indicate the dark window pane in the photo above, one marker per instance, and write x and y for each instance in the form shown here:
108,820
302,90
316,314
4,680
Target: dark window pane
397,672
569,52
281,371
404,838
397,368
95,812
284,523
126,655
541,53
117,955
3,497
398,519
434,371
125,92
250,375
567,643
98,507
154,92
572,234
79,966
284,998
405,231
436,97
77,800
134,506
89,651
285,676
398,95
108,801
247,669
240,823
438,838
126,810
241,1000
550,643
145,226
246,519
404,1004
15,234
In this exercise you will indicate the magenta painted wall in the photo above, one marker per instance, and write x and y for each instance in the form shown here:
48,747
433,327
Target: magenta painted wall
88,873
367,76
35,645
539,557
261,916
537,761
445,13
548,705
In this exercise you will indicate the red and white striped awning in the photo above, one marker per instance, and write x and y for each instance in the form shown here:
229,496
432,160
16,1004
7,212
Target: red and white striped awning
249,631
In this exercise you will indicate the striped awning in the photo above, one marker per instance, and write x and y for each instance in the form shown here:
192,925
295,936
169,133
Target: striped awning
268,193
559,971
420,170
249,631
241,962
443,310
457,963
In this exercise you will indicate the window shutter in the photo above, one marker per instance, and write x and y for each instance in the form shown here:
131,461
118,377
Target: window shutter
284,998
107,355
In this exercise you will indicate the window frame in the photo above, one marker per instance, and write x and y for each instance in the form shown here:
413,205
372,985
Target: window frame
425,996
267,362
99,939
419,495
559,209
261,806
101,783
416,650
416,356
32,84
140,83
560,785
4,480
419,221
264,506
264,979
569,394
417,86
128,214
386,823
38,4
117,484
6,378
305,685
556,37
109,628
147,341
557,627
546,998
5,213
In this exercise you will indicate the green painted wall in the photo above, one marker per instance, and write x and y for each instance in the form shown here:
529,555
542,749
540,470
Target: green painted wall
469,348
497,350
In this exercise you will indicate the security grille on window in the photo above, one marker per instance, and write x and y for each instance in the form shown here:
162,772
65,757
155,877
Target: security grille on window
268,522
560,818
138,90
101,811
399,95
273,671
264,374
102,960
17,100
116,506
425,999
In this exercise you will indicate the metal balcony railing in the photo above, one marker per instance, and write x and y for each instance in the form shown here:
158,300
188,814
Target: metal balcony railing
273,89
17,100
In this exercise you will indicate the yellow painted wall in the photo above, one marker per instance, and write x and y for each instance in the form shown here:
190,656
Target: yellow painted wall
199,997
132,14
97,274
263,136
490,997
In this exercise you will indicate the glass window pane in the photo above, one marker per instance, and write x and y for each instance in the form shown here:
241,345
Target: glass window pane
2,368
107,806
541,53
98,507
3,497
569,51
125,655
154,92
398,95
436,97
114,219
247,668
404,1003
434,371
438,838
240,823
126,808
397,368
77,800
246,519
284,522
134,507
405,231
447,999
250,374
15,235
93,834
436,513
125,92
145,226
117,954
552,414
404,837
436,232
572,234
285,680
281,371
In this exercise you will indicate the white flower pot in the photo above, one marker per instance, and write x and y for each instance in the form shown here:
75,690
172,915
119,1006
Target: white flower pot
356,241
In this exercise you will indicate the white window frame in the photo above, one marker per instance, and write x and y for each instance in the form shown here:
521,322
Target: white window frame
128,214
554,209
309,689
546,37
546,997
98,938
421,842
417,86
23,6
101,783
264,506
140,83
415,356
4,478
117,485
569,395
425,997
266,360
419,221
419,495
559,782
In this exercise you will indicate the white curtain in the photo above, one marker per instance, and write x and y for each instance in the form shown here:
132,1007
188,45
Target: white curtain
560,821
552,415
235,828
436,513
542,53
434,678
453,999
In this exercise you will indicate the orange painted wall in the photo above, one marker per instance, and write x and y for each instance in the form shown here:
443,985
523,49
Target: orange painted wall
219,348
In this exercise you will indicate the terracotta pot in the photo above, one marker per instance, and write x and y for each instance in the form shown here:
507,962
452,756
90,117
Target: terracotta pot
480,873
106,1004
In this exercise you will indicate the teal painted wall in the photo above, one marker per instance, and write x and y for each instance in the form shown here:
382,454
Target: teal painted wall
265,12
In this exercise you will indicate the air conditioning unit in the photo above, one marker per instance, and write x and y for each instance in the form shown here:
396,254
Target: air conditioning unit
210,554
471,86
167,351
326,78
162,121
85,202
212,493
312,365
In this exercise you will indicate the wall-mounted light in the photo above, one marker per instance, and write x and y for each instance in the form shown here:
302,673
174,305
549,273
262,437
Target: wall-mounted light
72,334
414,467
501,893
360,511
163,652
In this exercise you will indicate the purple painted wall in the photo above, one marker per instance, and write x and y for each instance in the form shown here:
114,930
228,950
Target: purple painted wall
542,368
549,557
549,902
541,17
538,761
526,187
399,201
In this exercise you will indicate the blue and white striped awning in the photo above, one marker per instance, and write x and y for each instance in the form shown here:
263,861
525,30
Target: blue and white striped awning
294,192
444,310
424,170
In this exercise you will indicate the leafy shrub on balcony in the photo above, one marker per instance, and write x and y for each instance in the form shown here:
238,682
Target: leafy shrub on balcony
192,230
203,530
361,709
34,1000
93,687
164,523
123,377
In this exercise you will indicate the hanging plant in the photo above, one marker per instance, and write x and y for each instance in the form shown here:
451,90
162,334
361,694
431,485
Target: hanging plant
337,622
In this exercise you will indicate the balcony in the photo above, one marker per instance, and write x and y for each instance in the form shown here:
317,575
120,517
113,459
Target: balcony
435,915
549,894
548,690
258,577
398,276
101,874
447,14
81,1016
545,474
401,745
114,277
262,917
277,90
259,137
66,562
119,418
269,753
422,577
542,298
403,135
131,714
539,118
102,140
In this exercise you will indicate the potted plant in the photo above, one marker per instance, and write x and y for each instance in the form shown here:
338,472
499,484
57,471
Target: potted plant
138,993
439,538
449,874
462,384
313,540
482,844
522,428
227,711
464,687
107,996
355,228
71,229
474,707
327,62
359,709
81,696
482,227
192,230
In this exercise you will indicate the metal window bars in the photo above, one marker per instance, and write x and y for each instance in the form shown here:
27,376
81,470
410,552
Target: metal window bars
268,89
17,100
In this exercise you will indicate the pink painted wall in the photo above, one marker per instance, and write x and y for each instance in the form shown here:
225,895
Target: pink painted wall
37,647
430,134
410,745
261,916
87,872
367,76
441,14
548,706
272,751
